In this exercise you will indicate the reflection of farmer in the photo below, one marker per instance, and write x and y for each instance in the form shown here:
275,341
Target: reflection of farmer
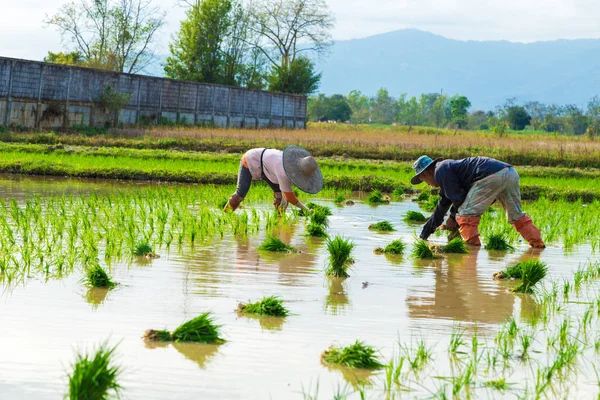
469,187
280,169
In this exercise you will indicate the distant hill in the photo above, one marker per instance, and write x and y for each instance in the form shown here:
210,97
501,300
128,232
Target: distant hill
415,62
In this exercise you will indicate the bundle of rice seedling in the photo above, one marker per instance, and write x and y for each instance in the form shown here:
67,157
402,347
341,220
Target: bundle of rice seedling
316,230
274,244
398,192
157,335
358,355
395,247
498,241
201,329
376,197
271,306
319,217
530,272
95,377
96,276
339,199
421,250
414,216
423,196
456,245
143,249
316,207
382,226
340,256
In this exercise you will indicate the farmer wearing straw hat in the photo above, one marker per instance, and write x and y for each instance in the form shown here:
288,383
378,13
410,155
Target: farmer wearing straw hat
468,187
279,169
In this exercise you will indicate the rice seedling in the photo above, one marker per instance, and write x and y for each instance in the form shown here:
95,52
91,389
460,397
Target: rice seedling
394,247
339,199
357,355
393,371
456,340
201,329
498,241
414,217
382,226
316,230
319,217
340,256
274,244
271,306
419,357
423,196
318,208
143,249
398,192
455,246
376,197
95,376
97,277
531,271
421,250
498,384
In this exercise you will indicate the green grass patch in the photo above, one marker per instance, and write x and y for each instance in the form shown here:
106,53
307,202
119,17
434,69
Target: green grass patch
95,376
357,355
97,277
499,242
456,246
340,256
395,247
414,216
382,226
274,244
270,306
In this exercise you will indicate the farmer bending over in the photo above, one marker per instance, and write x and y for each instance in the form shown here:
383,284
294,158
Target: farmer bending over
469,187
279,169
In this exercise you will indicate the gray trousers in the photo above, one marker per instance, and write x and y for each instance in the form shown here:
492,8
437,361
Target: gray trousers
503,186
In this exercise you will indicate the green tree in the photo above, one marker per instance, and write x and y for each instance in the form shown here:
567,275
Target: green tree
538,112
384,107
73,58
298,77
517,118
593,112
360,107
196,52
459,106
116,35
438,110
478,120
575,119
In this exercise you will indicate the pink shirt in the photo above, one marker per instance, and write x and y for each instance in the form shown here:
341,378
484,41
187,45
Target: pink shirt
272,166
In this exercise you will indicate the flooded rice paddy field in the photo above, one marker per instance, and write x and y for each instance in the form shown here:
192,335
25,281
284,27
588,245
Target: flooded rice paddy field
394,303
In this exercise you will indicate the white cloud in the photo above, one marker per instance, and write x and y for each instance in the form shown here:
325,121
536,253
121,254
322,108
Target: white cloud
22,34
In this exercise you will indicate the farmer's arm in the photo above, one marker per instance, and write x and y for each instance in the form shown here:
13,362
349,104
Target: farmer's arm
436,218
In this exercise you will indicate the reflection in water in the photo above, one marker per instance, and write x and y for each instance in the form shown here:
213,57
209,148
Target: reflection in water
459,293
96,296
266,322
337,299
356,377
199,353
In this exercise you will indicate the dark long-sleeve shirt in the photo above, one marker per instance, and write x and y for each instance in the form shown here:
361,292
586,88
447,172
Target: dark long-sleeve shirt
456,177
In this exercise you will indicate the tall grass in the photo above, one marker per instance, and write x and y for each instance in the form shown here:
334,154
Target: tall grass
95,376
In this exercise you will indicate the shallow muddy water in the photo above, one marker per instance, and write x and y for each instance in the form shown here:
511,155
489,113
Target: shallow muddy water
386,299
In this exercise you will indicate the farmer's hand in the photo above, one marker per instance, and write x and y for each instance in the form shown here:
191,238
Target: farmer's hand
449,225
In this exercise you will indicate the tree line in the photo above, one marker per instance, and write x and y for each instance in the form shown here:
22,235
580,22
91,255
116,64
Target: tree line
439,110
262,44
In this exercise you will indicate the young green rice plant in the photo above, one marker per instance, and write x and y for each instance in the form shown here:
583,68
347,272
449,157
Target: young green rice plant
376,197
319,217
339,199
578,278
316,230
498,241
357,355
398,192
274,244
419,357
271,306
532,271
317,207
455,246
421,250
423,196
498,384
201,329
97,277
382,226
395,247
456,340
143,249
340,256
95,376
414,217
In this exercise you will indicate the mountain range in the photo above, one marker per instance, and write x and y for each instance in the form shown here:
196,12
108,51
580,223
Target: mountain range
487,72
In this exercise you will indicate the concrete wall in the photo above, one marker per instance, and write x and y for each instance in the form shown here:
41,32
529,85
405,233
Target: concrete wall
41,95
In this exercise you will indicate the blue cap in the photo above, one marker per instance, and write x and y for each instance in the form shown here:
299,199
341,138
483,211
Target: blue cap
421,165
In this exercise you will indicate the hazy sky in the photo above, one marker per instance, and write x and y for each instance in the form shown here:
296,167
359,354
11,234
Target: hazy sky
22,34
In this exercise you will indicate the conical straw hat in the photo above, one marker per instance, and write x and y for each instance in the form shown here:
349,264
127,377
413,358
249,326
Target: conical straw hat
302,169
